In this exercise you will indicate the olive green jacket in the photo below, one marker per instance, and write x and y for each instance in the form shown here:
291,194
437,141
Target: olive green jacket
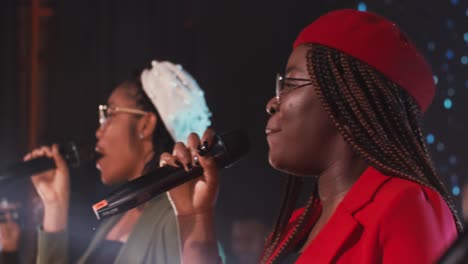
154,239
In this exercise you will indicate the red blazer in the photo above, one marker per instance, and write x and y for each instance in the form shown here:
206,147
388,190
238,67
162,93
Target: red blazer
382,219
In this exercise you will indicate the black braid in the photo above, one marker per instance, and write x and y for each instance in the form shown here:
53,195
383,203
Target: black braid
293,187
396,145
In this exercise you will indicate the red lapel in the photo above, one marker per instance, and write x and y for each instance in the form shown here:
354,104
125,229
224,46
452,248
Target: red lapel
342,224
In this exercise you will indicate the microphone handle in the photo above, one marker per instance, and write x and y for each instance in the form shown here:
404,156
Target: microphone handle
73,155
126,198
226,150
27,168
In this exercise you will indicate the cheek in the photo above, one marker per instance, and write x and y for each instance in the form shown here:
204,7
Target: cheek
286,147
114,172
121,138
118,141
121,155
304,139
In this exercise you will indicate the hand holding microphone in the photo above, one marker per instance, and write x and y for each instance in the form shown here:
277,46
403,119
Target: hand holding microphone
198,195
51,184
9,228
194,201
191,177
53,187
193,197
9,234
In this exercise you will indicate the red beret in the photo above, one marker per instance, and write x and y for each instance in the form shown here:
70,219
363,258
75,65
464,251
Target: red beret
377,42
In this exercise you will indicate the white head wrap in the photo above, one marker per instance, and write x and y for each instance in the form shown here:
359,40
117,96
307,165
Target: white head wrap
178,99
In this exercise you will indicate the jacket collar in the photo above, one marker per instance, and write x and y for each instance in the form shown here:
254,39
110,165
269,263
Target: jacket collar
342,224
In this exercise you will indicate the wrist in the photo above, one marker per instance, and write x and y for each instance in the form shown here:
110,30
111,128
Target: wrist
200,215
199,226
55,218
198,237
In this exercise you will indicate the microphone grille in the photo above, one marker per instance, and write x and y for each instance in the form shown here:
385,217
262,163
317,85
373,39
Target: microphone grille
236,144
78,154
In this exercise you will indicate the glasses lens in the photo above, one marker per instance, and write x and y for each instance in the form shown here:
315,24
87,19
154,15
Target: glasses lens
279,85
102,114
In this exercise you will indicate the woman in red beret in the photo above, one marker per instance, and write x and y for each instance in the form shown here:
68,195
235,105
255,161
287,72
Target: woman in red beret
347,110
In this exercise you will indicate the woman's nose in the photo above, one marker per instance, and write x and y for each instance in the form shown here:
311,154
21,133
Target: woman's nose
100,131
272,106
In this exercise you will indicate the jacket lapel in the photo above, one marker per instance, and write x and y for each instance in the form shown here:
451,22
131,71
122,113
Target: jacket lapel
140,238
100,235
331,239
342,227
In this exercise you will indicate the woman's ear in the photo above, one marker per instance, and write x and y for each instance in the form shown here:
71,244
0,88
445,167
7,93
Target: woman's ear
147,125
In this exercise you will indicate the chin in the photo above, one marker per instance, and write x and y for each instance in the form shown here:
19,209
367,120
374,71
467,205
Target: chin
277,164
105,180
288,166
108,181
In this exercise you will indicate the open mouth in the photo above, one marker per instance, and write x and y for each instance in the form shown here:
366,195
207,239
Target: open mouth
98,165
269,131
98,158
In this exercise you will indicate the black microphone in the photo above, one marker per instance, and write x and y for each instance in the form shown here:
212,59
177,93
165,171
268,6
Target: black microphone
226,150
73,154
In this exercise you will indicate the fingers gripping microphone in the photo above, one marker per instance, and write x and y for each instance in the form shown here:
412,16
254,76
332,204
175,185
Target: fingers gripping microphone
226,150
73,155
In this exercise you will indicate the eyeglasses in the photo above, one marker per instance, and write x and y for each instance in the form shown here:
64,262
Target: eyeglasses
286,84
106,112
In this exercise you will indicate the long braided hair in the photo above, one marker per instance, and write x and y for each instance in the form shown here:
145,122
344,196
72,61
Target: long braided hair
384,127
162,140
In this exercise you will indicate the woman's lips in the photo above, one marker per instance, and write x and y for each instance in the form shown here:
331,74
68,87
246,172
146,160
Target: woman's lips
98,163
100,156
269,131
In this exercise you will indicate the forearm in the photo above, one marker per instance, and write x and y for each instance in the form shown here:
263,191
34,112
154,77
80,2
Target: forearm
198,239
55,218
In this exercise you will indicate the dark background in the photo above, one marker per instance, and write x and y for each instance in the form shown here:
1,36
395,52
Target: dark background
234,49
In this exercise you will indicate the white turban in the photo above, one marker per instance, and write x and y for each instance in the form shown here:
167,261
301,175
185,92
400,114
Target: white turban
178,99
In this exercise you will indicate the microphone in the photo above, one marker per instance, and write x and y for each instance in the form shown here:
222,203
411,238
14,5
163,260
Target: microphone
226,150
73,154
